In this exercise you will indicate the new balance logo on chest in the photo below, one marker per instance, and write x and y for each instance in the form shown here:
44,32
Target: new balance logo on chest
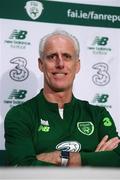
44,126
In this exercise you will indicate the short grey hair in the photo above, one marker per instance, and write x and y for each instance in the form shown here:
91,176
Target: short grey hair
62,33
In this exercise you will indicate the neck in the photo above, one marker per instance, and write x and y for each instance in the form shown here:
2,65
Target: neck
58,97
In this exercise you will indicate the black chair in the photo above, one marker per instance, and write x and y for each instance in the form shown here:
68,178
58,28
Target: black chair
3,159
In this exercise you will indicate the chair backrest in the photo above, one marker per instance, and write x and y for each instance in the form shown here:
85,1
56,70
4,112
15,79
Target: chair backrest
3,159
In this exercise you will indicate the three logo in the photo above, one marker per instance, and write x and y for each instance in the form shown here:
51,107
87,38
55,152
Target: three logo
20,72
102,77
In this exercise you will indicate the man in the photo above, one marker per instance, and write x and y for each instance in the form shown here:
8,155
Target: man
54,128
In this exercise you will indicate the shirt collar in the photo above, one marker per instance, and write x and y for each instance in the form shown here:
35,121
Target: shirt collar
53,106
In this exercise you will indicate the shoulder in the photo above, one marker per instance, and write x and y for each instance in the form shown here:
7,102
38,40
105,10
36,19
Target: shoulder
92,112
86,106
24,108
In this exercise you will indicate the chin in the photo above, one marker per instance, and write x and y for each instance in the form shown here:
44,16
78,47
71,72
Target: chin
59,89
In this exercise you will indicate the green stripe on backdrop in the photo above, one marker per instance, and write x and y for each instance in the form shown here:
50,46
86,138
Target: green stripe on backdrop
63,13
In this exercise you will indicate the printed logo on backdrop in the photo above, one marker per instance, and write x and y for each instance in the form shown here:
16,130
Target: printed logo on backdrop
102,76
34,9
20,71
16,97
101,100
17,39
99,45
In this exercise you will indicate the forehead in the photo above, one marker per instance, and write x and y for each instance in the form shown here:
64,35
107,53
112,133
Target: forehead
59,41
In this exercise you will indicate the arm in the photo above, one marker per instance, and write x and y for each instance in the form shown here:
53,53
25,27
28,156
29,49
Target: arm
75,158
107,153
21,152
19,145
18,140
54,157
108,144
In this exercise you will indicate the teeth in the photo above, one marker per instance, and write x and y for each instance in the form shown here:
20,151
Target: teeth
59,74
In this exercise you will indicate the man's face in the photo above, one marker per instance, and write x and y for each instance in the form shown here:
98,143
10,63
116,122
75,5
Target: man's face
59,63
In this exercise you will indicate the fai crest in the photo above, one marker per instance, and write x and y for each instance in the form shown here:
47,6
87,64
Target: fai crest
34,9
86,128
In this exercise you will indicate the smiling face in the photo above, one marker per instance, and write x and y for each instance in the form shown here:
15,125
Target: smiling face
59,63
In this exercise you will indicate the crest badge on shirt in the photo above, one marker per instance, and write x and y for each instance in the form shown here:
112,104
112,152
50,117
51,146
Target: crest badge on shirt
70,146
86,128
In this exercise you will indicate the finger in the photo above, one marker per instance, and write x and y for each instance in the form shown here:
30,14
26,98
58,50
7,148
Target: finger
103,141
110,144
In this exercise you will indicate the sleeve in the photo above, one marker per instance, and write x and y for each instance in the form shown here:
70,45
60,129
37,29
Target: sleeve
106,126
18,140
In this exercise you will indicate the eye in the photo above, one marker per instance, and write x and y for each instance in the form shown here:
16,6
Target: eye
51,57
67,56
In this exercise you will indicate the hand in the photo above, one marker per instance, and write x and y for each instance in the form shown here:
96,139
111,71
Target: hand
107,144
75,159
51,157
54,157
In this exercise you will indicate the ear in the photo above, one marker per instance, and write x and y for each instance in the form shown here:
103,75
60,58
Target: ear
40,64
78,66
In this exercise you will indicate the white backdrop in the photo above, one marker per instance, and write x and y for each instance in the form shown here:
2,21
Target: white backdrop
20,79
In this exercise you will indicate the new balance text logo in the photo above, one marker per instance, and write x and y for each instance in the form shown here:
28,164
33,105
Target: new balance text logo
20,94
17,39
19,35
100,41
100,98
100,45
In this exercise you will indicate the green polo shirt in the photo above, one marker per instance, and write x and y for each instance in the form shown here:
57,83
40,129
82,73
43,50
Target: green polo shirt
36,126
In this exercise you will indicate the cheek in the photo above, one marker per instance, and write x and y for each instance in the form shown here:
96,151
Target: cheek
74,68
77,67
47,68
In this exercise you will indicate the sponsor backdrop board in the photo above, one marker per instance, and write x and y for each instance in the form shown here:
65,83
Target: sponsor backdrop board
97,27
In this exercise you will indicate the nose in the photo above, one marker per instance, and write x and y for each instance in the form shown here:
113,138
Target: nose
60,62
